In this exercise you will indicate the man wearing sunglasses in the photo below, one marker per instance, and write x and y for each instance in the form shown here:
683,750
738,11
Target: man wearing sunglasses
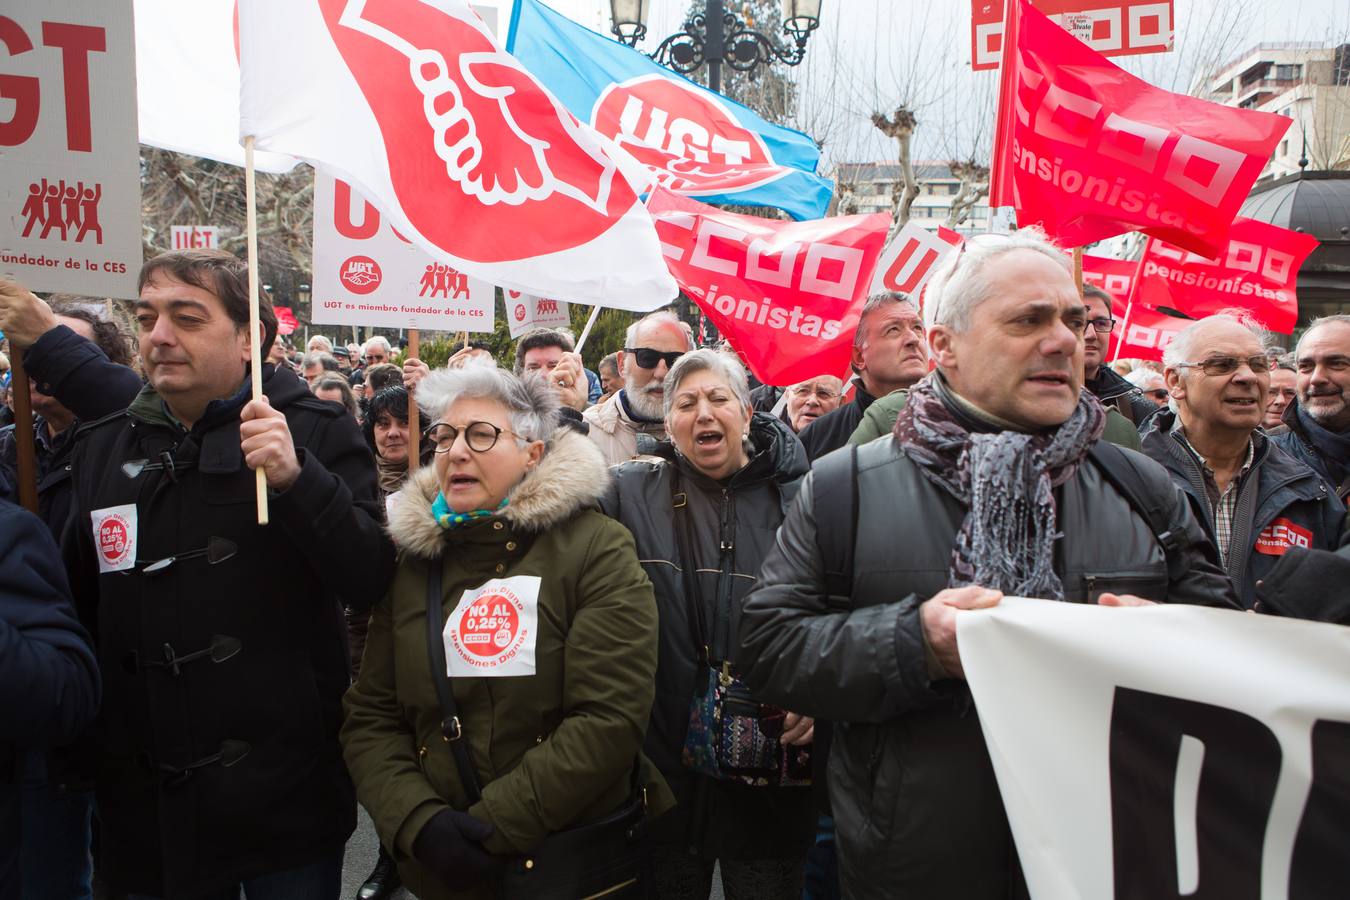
651,346
1255,501
1110,388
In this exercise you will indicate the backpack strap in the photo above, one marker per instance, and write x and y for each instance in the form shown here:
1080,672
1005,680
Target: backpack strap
1123,475
834,492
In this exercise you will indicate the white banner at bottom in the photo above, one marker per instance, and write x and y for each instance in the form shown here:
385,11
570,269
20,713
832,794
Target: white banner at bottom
1167,751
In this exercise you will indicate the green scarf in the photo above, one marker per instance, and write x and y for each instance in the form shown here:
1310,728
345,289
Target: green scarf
447,518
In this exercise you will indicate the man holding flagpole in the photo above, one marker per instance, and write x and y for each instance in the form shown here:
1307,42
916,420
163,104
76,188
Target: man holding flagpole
221,641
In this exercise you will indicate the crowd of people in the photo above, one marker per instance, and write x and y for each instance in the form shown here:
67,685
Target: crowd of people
610,632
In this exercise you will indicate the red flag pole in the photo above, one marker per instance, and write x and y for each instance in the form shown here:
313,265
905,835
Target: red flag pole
1001,166
1129,302
414,442
254,316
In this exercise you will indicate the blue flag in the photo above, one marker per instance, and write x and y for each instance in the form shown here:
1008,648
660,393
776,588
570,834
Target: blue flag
696,142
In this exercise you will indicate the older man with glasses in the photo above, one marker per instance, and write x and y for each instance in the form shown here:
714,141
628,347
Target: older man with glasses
1255,501
651,347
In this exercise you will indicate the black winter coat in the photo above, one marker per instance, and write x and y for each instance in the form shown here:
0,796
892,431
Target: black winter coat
731,528
916,804
218,768
1296,438
1281,503
1114,391
76,372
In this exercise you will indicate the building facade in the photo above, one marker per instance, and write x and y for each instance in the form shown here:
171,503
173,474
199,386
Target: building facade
866,187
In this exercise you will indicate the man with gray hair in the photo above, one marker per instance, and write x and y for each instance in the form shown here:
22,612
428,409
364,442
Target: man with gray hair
651,346
1254,500
1319,421
317,364
889,354
994,482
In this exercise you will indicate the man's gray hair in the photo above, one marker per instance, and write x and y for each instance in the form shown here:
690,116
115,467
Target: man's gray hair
724,365
876,303
961,282
1287,361
531,403
660,317
326,361
322,341
1342,318
377,341
1182,347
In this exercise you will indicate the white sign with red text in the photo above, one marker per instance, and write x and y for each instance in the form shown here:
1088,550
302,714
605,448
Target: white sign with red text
195,237
70,189
366,274
115,537
493,630
911,257
526,311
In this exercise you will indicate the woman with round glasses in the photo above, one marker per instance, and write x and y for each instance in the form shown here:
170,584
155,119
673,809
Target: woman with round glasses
704,513
520,712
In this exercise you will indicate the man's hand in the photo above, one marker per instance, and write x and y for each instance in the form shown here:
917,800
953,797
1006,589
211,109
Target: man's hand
464,354
23,317
1123,600
265,438
798,730
938,616
414,370
569,380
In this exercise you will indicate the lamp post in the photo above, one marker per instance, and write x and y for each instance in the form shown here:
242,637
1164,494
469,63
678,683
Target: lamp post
716,36
302,294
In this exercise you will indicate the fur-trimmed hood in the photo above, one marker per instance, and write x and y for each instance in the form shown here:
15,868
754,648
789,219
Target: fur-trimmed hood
570,477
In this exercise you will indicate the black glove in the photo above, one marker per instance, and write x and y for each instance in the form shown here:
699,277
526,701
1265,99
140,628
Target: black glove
450,847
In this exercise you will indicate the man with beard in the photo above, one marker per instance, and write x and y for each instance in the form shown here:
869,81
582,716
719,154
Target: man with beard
889,354
1319,422
995,482
651,346
1255,500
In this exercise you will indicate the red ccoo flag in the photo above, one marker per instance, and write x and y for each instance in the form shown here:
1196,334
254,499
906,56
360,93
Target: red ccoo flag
1089,151
1257,271
1145,333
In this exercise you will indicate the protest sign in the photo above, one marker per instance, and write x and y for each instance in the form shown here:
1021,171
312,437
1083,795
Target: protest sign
1165,751
911,257
195,237
1143,333
1088,151
787,295
366,274
1111,27
696,142
417,107
70,189
526,311
1257,271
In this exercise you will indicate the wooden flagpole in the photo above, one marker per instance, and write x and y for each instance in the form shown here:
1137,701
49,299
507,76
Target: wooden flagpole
254,316
23,430
414,425
1078,270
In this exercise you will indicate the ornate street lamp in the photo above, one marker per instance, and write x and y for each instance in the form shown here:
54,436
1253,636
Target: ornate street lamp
717,36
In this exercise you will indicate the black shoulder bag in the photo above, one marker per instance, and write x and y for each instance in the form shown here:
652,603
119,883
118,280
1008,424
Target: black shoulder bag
605,858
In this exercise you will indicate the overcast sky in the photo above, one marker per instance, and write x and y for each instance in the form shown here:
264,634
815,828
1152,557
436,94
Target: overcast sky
870,55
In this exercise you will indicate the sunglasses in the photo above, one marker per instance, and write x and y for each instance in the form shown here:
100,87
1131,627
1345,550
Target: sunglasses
1227,365
647,358
1159,394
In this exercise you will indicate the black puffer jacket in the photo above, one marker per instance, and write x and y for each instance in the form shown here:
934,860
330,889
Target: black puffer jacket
1281,503
179,819
916,804
832,430
732,526
1298,437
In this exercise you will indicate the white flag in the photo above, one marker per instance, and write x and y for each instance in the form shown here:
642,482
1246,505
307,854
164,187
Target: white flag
413,103
187,81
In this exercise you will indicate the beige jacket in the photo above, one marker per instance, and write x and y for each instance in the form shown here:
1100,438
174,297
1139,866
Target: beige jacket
615,433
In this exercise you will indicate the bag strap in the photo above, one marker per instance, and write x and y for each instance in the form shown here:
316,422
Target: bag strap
834,492
679,501
1122,475
452,731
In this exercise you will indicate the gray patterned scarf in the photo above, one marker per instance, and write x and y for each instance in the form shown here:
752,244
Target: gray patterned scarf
1005,479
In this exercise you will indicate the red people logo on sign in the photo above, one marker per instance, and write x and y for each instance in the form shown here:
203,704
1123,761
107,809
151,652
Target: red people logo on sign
694,143
69,210
468,121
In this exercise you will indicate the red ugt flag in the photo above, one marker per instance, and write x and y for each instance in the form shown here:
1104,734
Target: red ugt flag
787,295
1256,271
1089,151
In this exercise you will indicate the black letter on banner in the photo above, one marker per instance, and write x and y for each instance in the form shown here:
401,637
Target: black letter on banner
1237,785
1321,866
